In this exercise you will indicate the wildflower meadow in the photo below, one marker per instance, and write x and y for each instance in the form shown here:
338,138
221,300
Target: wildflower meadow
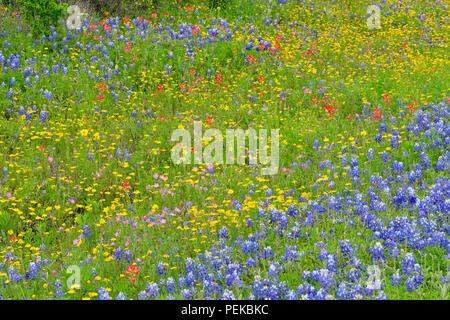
240,149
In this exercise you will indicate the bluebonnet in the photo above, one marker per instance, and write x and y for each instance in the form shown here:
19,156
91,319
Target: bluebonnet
408,264
86,231
377,252
228,295
43,115
120,296
161,269
385,156
103,294
370,154
223,233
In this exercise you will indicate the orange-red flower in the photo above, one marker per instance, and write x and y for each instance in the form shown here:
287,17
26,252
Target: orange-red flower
376,113
132,272
125,185
329,109
219,77
101,86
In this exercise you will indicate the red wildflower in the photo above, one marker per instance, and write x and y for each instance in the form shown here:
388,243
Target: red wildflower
125,185
132,272
376,113
251,58
101,86
329,109
219,77
277,45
